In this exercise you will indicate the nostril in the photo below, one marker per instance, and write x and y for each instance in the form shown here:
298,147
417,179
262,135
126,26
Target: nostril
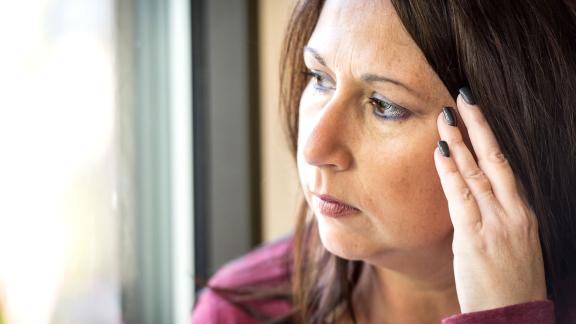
325,142
328,153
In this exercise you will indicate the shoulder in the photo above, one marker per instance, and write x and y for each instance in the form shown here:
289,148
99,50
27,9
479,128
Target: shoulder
211,308
266,266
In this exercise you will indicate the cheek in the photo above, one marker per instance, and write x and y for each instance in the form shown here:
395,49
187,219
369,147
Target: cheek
405,177
402,191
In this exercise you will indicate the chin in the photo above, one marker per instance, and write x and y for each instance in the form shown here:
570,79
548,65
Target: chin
344,244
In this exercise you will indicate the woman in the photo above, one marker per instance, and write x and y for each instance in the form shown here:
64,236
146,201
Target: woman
435,144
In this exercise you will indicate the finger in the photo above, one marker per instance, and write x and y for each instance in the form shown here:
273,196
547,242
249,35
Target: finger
491,160
474,177
464,211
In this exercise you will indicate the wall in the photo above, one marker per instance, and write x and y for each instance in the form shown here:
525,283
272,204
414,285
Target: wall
280,186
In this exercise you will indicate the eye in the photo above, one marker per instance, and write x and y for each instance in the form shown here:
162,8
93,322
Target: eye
385,110
321,81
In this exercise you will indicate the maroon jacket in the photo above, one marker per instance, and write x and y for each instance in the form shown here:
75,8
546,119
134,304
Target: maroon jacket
261,266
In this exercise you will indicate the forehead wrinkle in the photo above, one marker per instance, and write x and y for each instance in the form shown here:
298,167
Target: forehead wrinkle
358,55
367,37
361,25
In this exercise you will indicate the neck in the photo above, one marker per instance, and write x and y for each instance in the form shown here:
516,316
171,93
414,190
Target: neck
402,288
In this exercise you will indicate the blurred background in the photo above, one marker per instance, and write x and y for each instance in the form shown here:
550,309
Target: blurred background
140,150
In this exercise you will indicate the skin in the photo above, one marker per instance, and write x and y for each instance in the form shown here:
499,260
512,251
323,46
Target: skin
420,225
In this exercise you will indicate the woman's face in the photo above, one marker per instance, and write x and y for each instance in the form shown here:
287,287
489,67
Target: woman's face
367,133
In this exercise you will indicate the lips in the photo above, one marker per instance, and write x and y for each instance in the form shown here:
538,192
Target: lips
331,207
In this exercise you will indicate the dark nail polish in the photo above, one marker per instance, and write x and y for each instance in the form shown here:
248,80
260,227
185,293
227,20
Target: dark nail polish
467,95
449,116
443,146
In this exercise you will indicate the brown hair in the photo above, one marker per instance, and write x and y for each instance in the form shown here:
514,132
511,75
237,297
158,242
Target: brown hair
518,59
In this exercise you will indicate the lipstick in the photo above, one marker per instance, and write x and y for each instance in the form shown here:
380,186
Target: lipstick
330,207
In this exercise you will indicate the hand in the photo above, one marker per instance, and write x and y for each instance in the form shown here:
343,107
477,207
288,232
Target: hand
497,254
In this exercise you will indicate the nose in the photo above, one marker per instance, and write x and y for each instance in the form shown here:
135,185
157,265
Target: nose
328,143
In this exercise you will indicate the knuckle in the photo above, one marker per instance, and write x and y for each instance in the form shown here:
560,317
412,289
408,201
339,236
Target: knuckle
487,197
497,157
466,194
451,172
475,174
457,141
480,181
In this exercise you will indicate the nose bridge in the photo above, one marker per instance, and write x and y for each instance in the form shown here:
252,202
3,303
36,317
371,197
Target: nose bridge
326,144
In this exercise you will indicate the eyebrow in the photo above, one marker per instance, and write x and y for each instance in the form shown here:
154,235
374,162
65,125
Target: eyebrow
369,77
316,55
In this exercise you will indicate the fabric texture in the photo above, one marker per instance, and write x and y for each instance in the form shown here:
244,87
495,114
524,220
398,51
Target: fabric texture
541,311
267,267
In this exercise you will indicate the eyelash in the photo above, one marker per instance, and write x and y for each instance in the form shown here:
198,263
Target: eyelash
399,112
319,78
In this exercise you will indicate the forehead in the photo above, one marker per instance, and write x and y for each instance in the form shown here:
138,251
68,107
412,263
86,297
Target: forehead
361,25
367,36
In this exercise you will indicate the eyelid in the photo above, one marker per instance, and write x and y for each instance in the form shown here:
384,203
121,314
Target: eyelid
313,73
319,74
309,66
380,97
322,74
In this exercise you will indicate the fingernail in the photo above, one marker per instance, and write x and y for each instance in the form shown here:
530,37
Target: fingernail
449,116
443,147
467,95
